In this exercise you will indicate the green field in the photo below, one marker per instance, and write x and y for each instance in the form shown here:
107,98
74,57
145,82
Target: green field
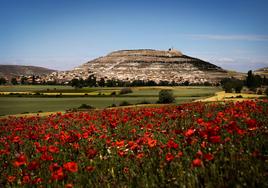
16,104
25,88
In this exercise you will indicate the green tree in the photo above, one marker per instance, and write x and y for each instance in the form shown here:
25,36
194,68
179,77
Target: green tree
250,79
111,83
151,83
228,87
101,82
266,91
76,83
230,84
3,81
14,81
33,79
91,81
166,96
163,83
253,81
23,80
238,85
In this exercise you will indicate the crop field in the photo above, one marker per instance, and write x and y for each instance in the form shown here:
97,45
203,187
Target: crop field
29,88
191,145
33,99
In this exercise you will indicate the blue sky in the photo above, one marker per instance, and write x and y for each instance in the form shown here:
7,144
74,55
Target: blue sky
62,34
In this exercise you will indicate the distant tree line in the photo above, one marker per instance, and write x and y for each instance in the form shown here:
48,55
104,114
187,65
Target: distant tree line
252,82
27,80
91,81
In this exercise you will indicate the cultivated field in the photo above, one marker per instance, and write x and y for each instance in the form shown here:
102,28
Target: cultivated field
33,99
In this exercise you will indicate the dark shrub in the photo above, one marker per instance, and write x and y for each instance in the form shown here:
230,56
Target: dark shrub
125,90
85,106
259,92
113,93
144,102
266,91
124,103
166,96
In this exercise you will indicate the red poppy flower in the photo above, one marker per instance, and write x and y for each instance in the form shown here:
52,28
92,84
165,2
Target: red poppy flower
180,154
46,157
16,139
169,157
90,168
208,156
10,179
54,167
215,139
197,162
240,131
37,180
200,120
252,124
21,160
53,149
172,144
69,185
199,153
189,132
140,155
71,166
120,143
121,153
126,170
91,153
57,175
33,165
26,179
151,142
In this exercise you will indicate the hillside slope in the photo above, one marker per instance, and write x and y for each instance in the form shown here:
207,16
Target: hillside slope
9,71
148,64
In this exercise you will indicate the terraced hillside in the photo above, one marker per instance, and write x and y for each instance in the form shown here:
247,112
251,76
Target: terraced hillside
147,64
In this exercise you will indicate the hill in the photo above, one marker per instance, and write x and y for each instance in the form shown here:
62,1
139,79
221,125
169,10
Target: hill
9,71
262,71
148,64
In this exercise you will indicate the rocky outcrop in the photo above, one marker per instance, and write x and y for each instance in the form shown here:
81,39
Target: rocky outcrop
147,64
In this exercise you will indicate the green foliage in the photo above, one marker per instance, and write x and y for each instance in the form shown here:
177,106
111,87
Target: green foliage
101,82
144,102
90,81
111,83
230,84
254,81
259,92
14,81
77,83
124,103
227,87
113,93
23,80
166,96
3,81
85,106
266,91
113,105
125,90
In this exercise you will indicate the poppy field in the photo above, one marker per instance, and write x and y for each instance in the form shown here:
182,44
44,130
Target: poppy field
191,145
